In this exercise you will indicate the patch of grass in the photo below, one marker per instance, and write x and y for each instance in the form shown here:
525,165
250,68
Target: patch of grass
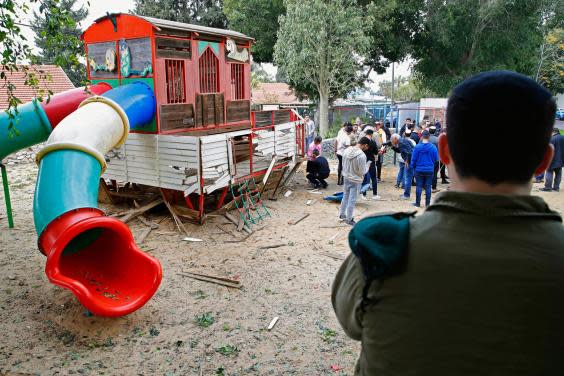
220,371
199,294
154,332
228,350
205,320
269,291
328,335
226,327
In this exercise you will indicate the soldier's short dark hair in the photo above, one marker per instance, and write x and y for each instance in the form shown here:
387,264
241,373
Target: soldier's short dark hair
502,154
364,141
369,131
318,139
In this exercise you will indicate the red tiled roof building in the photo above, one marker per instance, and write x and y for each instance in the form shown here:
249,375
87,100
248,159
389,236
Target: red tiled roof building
51,77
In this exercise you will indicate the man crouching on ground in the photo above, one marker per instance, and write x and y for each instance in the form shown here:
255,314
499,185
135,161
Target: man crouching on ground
354,169
474,285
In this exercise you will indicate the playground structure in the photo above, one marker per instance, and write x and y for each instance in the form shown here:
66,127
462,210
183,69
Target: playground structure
184,128
204,136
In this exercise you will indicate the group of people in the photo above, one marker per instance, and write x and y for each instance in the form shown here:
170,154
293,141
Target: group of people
474,285
360,149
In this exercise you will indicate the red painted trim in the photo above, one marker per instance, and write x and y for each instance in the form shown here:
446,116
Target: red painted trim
188,202
222,198
185,130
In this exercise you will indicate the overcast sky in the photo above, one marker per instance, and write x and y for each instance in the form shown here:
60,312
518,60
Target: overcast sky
99,8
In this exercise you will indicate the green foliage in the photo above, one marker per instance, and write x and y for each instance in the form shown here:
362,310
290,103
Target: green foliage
200,12
551,65
328,335
461,38
259,19
228,350
205,320
406,89
319,51
391,25
65,47
17,51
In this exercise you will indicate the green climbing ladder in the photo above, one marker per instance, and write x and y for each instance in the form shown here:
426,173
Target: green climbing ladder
248,202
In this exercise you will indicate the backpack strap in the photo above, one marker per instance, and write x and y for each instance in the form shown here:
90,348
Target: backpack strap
381,245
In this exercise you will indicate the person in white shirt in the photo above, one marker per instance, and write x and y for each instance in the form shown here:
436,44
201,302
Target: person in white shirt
309,130
343,142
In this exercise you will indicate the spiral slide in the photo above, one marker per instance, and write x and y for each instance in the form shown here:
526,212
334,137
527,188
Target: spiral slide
93,256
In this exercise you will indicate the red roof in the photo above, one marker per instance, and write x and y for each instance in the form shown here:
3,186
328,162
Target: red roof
274,93
51,77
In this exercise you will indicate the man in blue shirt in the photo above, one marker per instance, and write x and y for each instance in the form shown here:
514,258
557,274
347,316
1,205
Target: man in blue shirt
423,160
403,146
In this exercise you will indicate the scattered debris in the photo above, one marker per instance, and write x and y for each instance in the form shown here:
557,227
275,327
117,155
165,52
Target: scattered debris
192,240
288,193
272,323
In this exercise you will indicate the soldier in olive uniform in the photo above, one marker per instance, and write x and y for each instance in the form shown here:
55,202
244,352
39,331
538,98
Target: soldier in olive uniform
474,285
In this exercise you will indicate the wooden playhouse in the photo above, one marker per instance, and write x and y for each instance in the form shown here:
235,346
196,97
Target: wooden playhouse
204,137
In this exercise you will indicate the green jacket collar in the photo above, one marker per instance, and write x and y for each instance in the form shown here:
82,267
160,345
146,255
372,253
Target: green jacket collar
491,205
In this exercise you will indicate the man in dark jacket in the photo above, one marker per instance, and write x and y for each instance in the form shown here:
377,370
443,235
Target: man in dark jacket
403,146
423,160
475,284
318,170
371,155
553,175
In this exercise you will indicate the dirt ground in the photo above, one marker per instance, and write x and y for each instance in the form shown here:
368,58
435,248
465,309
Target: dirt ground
46,331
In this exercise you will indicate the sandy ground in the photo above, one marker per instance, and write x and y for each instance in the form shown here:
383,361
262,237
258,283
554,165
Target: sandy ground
46,331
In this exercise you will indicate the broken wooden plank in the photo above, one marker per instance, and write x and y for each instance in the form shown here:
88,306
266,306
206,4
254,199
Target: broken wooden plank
298,220
136,212
225,231
271,246
148,223
144,235
332,255
212,279
177,220
236,222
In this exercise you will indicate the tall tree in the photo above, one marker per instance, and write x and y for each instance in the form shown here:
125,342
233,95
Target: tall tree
460,38
316,46
551,65
17,51
258,19
200,12
66,50
391,25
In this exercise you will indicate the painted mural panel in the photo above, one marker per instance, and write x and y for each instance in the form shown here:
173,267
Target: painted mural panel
102,60
136,56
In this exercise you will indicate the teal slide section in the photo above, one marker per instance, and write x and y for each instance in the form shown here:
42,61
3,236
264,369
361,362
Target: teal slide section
67,180
30,127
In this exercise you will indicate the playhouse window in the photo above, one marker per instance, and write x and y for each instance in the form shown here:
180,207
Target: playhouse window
209,72
175,82
237,82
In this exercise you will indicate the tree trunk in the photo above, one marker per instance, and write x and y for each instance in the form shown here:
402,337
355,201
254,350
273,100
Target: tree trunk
323,112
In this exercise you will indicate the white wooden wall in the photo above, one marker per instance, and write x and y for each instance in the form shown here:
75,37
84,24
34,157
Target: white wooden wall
173,162
157,160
